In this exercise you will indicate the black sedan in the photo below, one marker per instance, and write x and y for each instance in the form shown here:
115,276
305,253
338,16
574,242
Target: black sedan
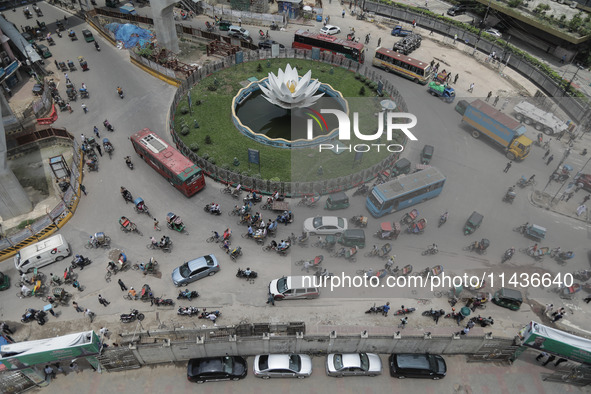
266,44
212,369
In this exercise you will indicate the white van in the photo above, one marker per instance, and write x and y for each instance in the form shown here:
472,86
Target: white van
42,253
294,288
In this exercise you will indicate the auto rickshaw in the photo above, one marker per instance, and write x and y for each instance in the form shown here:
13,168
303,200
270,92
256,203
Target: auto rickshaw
140,206
108,147
401,167
84,93
337,200
60,25
71,65
62,66
388,231
92,165
4,281
417,227
72,94
508,298
535,232
353,237
88,37
427,154
83,63
223,25
473,223
175,222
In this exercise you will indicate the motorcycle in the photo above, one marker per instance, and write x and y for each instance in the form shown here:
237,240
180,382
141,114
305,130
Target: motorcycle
434,313
256,198
129,163
523,182
241,274
207,209
583,275
375,309
508,254
187,294
108,125
97,46
563,256
206,315
132,316
120,93
442,220
483,321
432,250
126,194
33,314
404,311
187,311
80,262
162,301
361,190
58,33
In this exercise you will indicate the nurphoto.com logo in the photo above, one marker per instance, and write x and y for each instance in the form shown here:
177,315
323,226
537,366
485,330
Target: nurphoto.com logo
345,130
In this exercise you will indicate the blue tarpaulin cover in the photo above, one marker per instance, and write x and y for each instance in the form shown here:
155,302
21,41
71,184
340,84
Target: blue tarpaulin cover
131,35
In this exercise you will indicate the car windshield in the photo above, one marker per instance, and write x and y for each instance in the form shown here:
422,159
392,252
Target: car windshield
184,270
317,222
228,364
338,361
282,285
209,261
263,363
294,362
341,222
364,361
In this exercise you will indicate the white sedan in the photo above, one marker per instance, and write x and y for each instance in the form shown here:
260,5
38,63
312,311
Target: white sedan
330,30
494,32
353,364
282,366
325,225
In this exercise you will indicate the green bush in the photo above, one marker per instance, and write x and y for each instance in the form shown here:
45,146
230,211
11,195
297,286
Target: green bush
259,68
208,140
211,160
185,131
362,91
373,86
194,147
362,78
184,110
226,166
205,156
357,76
212,88
275,179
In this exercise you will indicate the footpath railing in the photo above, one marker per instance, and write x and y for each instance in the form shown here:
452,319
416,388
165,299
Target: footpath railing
291,189
579,109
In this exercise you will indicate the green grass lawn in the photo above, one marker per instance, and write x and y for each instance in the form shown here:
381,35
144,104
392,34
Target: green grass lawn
214,118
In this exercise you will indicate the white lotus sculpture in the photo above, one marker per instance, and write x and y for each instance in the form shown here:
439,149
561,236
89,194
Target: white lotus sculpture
288,91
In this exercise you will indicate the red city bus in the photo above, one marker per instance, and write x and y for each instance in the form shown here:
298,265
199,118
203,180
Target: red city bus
180,172
307,40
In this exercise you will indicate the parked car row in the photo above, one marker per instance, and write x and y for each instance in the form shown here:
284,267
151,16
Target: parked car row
407,365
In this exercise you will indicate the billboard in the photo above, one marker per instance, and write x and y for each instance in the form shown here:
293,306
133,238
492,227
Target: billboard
551,340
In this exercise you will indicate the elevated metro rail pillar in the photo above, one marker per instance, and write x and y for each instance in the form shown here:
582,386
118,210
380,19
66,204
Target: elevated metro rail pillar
162,13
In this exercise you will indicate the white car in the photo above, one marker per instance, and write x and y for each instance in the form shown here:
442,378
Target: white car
494,32
325,225
353,364
330,30
282,366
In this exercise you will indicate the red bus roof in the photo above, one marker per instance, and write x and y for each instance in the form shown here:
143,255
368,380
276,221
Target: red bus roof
327,38
165,153
496,114
409,60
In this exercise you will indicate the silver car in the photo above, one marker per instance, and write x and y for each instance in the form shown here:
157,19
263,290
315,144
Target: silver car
195,269
325,225
268,366
353,364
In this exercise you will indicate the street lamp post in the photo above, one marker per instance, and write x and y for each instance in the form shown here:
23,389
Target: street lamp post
566,89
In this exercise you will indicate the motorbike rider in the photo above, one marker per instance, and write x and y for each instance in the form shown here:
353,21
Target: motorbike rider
226,246
132,293
433,248
55,280
443,217
79,261
509,252
282,245
128,160
247,272
93,241
119,90
25,290
164,241
96,45
154,241
111,266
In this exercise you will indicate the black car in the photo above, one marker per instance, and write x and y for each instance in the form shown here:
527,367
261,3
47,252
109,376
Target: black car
266,44
457,10
201,370
429,366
